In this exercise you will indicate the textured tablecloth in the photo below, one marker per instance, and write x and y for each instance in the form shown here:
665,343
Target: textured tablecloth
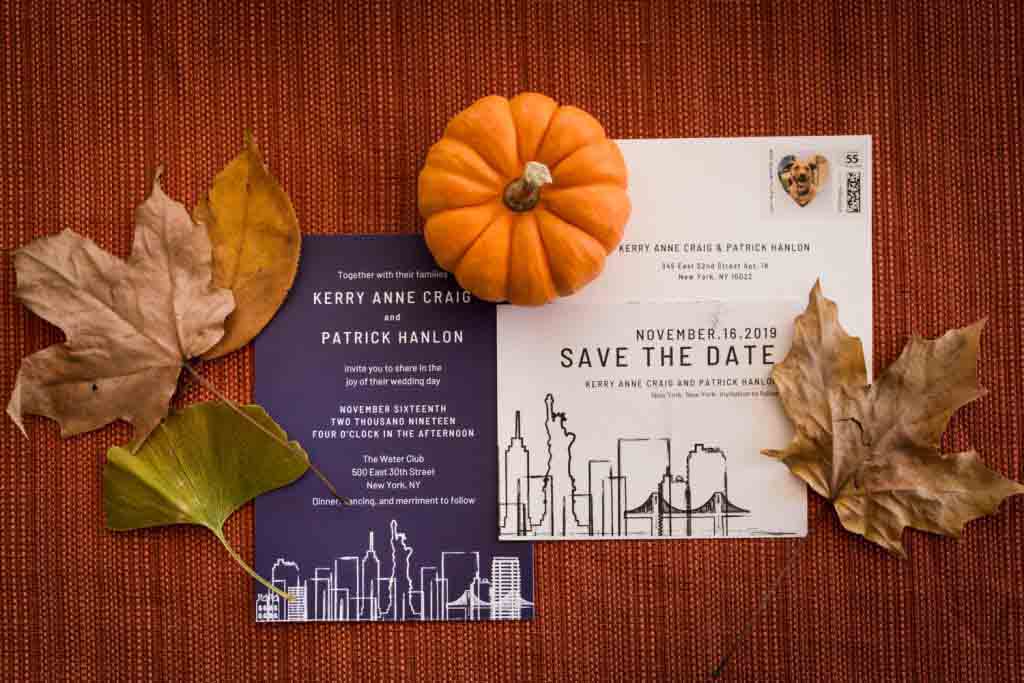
345,98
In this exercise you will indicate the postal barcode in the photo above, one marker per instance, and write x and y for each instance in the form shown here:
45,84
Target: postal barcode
853,192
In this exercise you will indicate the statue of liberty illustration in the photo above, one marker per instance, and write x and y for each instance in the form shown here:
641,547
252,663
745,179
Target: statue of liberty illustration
400,585
560,442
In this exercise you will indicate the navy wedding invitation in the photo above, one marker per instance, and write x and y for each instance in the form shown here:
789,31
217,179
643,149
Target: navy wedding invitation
384,369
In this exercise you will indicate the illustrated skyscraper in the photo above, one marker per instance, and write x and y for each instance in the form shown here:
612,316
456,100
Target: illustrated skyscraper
284,576
506,597
319,596
514,472
368,598
707,490
346,588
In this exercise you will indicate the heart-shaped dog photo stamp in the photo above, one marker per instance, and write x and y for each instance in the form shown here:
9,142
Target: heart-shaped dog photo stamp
803,178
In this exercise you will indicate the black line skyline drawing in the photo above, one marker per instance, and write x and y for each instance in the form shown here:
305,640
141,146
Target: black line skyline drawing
693,502
354,589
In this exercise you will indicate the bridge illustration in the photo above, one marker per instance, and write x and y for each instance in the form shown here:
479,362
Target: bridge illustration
660,513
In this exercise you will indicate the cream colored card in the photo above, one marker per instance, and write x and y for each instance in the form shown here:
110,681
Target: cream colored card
639,406
644,420
717,219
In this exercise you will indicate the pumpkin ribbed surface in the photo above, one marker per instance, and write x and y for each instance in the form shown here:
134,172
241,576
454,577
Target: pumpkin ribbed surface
523,198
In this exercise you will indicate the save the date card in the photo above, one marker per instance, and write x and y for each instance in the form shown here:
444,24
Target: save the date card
638,407
644,420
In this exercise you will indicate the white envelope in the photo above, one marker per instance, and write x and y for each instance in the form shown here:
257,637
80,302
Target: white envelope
638,407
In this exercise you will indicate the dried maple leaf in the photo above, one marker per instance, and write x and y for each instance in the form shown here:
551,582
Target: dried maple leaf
256,243
873,451
129,325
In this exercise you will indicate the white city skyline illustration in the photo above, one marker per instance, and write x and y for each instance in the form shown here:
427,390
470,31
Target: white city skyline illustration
355,589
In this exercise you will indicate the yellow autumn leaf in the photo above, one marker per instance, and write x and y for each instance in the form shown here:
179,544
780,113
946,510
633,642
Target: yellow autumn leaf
256,243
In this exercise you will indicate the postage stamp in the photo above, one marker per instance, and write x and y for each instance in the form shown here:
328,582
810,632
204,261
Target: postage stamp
816,183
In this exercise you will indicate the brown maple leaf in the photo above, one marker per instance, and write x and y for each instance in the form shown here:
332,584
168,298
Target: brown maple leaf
873,451
129,325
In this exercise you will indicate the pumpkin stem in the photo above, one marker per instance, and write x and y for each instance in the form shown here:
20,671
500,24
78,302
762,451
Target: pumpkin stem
522,194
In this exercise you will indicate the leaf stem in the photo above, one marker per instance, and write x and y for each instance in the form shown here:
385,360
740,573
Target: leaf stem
792,554
248,570
234,406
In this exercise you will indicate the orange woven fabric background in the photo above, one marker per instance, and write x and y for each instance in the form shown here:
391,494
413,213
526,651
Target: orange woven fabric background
345,98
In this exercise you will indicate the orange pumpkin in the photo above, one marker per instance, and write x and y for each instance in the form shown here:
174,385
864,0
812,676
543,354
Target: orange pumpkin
523,199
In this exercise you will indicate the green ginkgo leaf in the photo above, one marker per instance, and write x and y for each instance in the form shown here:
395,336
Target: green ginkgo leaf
198,467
